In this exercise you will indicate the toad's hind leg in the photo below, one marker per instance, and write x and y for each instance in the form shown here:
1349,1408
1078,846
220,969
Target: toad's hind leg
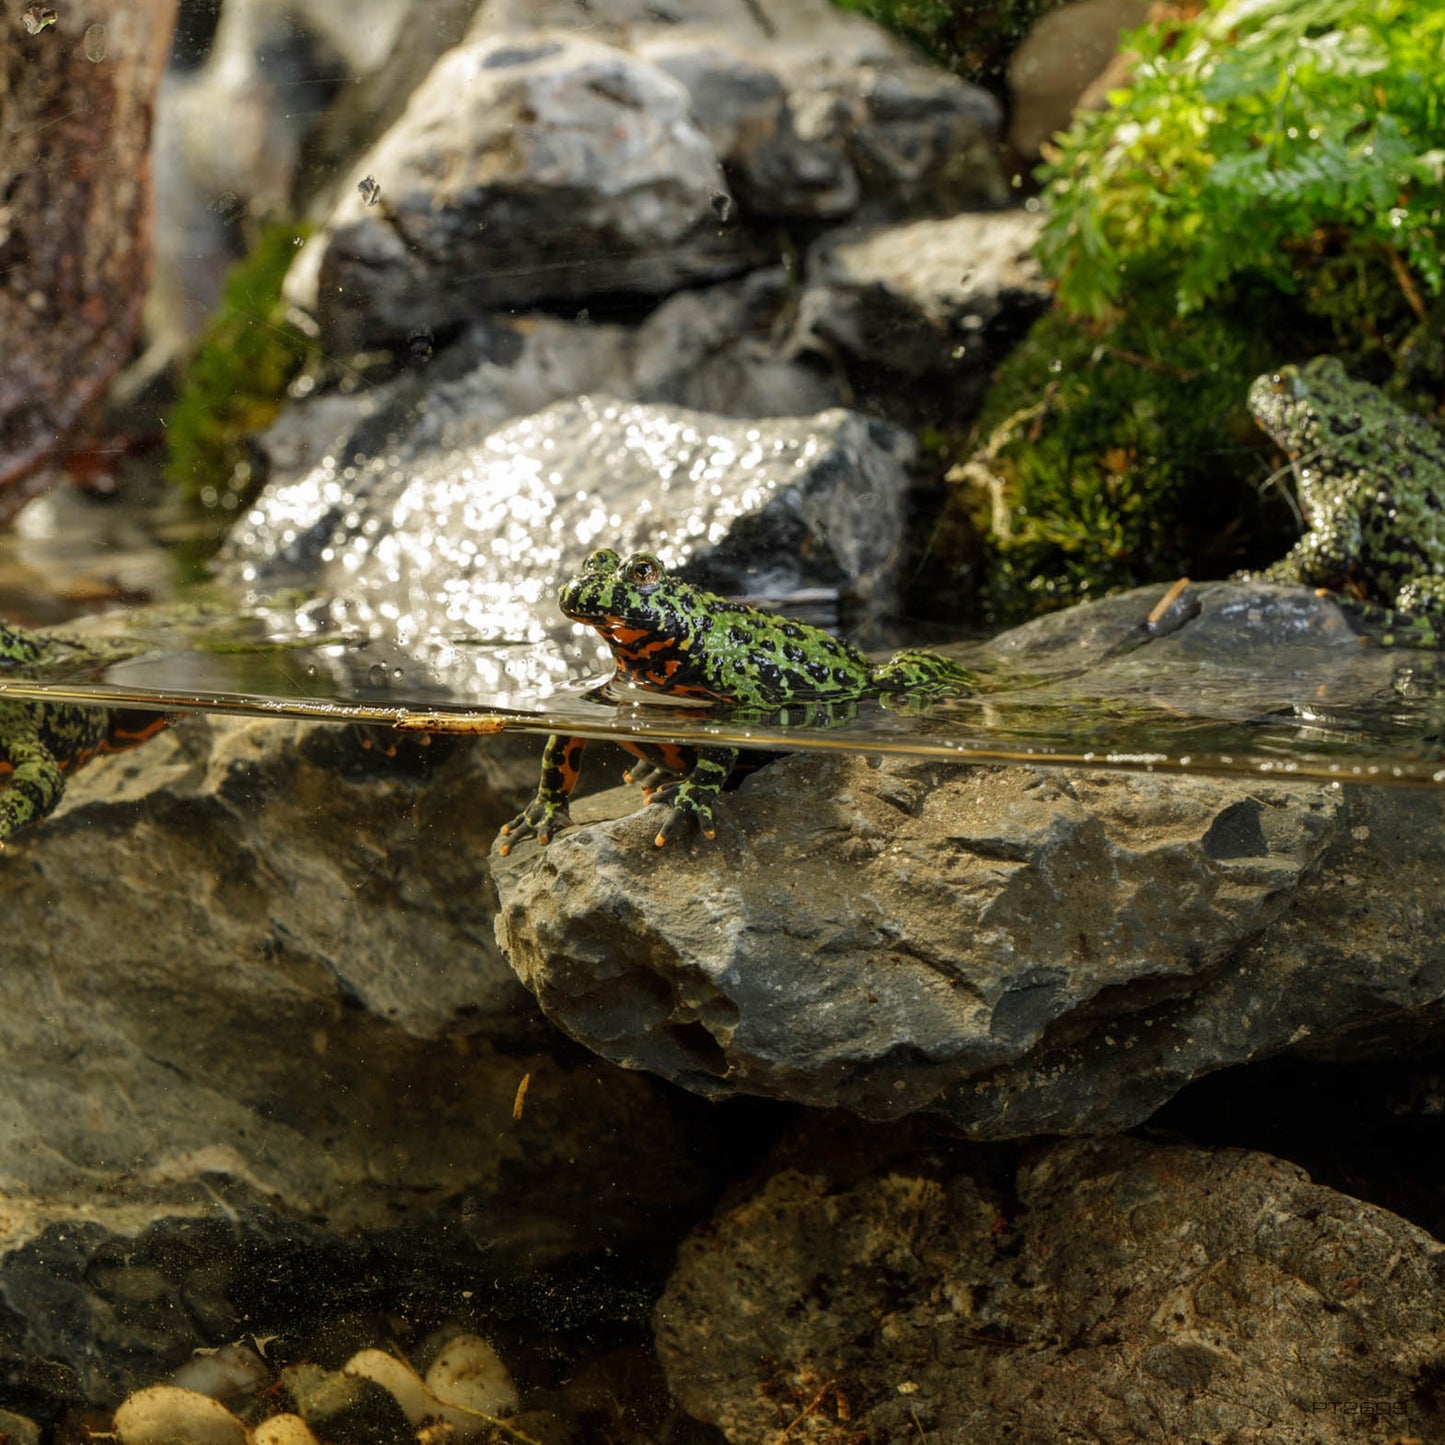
690,799
36,783
926,674
1416,620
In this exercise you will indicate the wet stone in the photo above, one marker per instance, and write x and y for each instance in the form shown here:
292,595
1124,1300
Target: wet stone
1016,950
446,546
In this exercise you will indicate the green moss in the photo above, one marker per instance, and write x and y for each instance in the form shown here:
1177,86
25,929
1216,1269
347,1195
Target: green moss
1111,456
972,38
248,353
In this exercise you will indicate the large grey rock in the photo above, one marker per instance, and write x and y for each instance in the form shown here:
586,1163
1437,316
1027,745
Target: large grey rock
250,1015
435,550
525,168
1116,1290
556,156
1021,951
909,936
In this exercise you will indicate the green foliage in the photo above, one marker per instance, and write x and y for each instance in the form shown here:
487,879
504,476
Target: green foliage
1114,456
246,356
1257,138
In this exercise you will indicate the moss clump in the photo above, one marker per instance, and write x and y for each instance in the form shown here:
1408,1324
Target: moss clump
972,38
1108,457
248,353
1271,184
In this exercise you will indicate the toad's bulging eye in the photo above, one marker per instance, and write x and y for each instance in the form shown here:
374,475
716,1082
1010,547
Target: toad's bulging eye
643,571
604,559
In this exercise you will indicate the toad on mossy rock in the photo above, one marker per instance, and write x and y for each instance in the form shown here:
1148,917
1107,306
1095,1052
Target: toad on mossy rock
41,742
1371,479
670,637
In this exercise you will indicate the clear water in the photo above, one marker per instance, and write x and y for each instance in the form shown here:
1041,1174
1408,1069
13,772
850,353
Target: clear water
1294,711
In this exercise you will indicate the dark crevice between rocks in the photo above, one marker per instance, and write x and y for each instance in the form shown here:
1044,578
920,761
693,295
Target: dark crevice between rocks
1375,1131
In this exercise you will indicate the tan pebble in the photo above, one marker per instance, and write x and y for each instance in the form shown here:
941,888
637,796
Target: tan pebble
469,1372
283,1430
416,1401
170,1415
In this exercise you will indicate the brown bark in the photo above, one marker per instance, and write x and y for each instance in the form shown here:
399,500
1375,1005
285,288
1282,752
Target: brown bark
76,103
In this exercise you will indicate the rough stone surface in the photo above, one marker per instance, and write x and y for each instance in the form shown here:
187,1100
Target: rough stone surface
1114,1291
911,298
431,548
902,936
534,168
250,1015
1021,951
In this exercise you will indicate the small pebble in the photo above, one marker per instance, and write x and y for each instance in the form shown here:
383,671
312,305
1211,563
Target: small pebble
283,1430
170,1415
470,1373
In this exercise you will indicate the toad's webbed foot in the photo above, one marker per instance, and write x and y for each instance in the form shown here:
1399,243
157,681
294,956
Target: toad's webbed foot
543,818
690,799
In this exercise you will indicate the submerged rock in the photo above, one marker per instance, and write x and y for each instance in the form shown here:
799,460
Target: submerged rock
259,1059
1134,1290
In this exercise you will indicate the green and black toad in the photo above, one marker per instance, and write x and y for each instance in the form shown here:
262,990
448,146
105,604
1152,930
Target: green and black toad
671,637
1371,479
42,742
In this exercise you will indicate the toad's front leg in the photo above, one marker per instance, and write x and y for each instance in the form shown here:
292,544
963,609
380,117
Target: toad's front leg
547,813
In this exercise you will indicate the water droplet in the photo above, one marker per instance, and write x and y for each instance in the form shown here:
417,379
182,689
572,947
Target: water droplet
95,43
